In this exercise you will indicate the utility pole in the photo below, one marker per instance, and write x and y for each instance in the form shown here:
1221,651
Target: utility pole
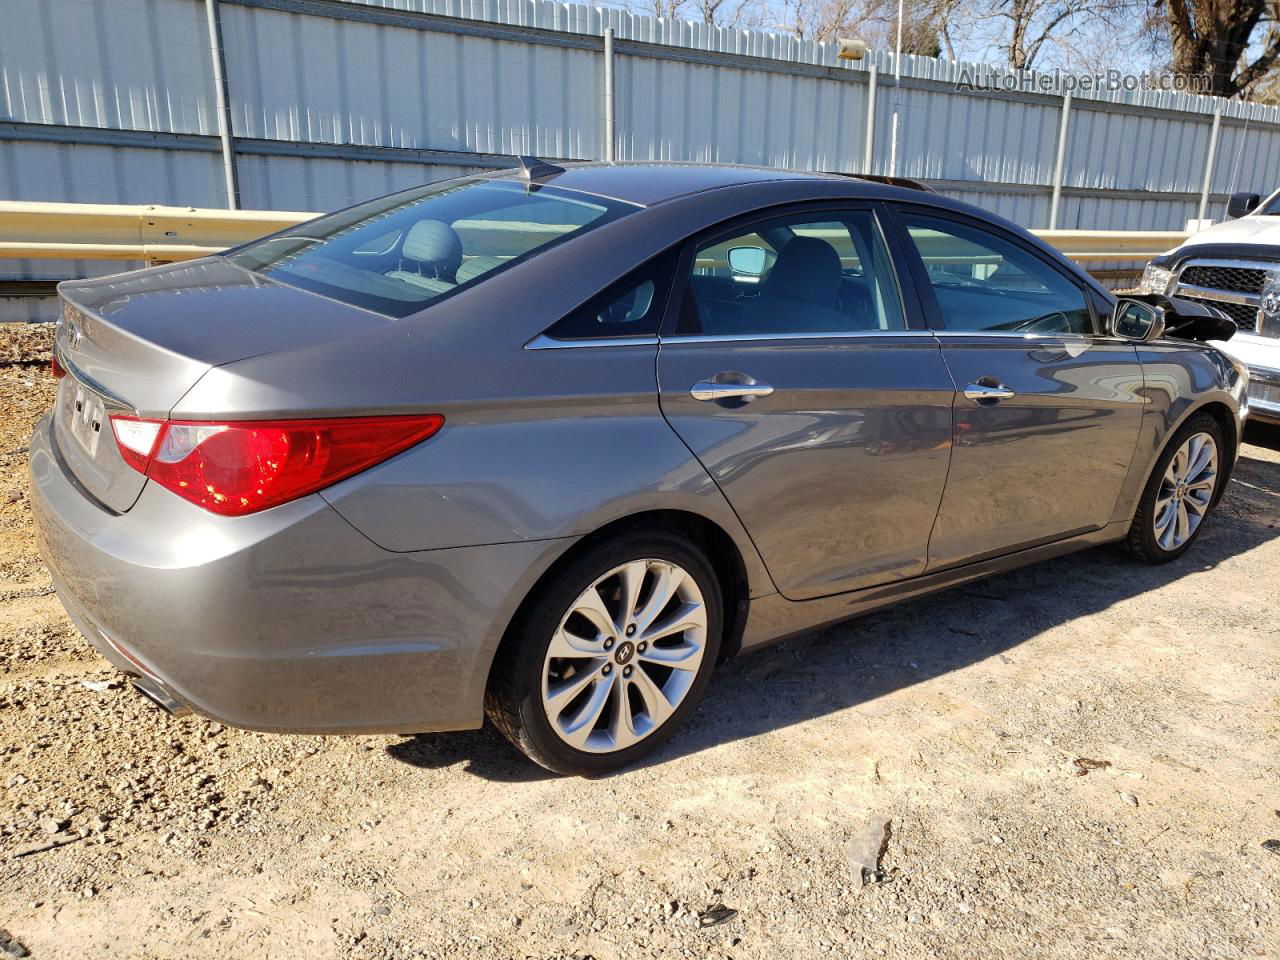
222,100
610,129
897,96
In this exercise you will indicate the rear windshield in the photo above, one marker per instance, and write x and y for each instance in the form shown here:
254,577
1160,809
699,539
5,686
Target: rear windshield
398,254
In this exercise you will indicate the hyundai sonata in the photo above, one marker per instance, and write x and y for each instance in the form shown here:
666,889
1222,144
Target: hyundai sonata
550,443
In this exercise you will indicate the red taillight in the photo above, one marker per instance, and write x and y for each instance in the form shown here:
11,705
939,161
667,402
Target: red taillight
238,467
56,368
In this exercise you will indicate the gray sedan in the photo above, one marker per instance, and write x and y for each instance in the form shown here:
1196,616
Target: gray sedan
549,443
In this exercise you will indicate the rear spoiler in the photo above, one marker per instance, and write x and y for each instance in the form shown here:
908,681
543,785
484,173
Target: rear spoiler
905,182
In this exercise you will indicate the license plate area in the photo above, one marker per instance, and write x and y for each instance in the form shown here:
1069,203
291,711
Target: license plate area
85,417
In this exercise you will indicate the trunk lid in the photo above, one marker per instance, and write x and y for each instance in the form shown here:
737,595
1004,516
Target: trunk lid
136,343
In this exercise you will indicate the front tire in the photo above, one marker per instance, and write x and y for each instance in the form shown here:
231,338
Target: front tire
611,656
1182,489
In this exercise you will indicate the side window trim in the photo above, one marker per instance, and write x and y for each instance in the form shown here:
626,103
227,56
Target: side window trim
924,285
911,304
544,342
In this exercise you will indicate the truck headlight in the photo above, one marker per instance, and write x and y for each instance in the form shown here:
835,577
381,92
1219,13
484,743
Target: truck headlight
1156,279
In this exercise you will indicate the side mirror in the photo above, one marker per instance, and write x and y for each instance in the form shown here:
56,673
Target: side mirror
747,261
1176,317
1241,204
1135,320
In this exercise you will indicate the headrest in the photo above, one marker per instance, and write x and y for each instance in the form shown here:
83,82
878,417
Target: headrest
430,241
806,269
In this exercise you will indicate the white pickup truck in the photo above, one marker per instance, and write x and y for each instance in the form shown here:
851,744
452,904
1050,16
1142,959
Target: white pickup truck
1235,266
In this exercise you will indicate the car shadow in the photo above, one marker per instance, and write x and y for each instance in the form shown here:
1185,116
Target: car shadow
485,753
858,661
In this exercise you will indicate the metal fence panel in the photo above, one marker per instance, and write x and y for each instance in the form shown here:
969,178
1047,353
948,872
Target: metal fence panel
1108,150
127,64
297,183
1248,158
942,136
687,111
320,80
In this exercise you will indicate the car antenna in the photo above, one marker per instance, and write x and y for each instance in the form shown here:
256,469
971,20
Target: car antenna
531,168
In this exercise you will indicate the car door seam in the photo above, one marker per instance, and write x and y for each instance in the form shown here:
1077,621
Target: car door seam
657,381
951,453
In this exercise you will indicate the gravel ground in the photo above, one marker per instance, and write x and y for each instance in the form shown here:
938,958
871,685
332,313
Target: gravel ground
1079,759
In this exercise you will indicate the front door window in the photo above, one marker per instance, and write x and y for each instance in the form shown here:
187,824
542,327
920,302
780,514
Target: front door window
985,283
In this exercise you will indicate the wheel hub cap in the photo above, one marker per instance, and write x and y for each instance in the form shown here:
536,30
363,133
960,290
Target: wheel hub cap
625,655
1186,491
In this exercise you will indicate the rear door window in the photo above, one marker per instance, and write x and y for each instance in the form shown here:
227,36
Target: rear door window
803,274
398,254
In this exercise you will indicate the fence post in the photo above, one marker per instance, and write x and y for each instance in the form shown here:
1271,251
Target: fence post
868,146
609,125
1209,161
222,100
1061,161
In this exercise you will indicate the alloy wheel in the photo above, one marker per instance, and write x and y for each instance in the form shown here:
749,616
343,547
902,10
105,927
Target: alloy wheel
624,656
1186,491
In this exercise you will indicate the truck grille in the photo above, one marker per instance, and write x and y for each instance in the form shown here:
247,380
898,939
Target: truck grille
1238,279
1245,315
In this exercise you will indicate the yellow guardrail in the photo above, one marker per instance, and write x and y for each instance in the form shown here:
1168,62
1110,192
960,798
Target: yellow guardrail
90,231
93,231
1132,246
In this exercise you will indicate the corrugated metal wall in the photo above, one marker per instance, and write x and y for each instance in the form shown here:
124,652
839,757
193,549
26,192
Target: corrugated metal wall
335,100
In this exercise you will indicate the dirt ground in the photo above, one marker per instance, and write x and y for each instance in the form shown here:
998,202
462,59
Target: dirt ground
961,718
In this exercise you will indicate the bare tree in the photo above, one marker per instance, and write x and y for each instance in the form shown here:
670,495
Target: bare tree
874,21
1266,90
1027,28
1211,40
723,13
1023,33
1022,30
720,13
668,9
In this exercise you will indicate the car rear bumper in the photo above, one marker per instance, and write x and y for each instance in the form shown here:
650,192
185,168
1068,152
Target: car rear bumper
286,620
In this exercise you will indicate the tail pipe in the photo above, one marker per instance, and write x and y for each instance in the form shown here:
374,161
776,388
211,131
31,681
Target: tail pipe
160,697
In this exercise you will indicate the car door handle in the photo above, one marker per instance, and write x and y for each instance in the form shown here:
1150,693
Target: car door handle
710,390
986,391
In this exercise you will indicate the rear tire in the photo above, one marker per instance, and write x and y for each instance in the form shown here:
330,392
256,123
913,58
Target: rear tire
611,655
1180,493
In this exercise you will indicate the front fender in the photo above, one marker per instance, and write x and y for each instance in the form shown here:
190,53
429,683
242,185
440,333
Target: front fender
1180,380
